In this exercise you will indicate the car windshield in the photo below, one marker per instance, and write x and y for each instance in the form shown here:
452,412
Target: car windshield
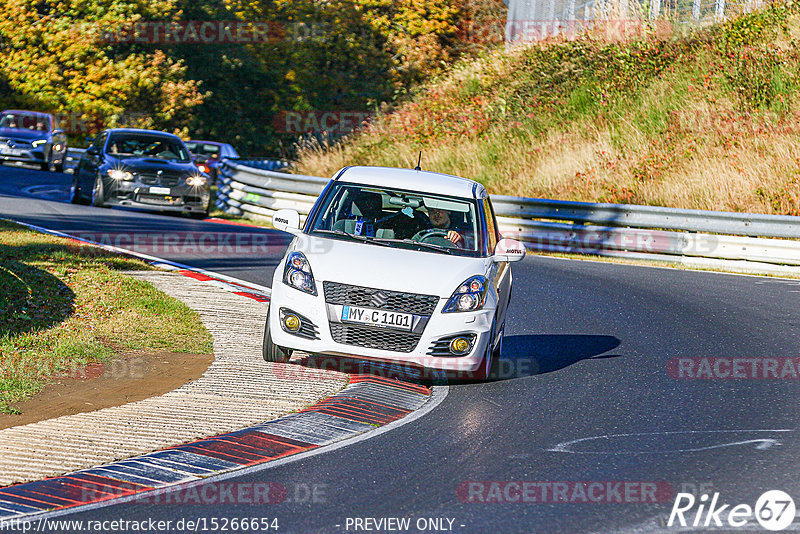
203,149
25,121
127,145
401,219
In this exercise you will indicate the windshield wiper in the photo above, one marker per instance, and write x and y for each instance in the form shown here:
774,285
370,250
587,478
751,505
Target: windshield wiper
431,246
362,238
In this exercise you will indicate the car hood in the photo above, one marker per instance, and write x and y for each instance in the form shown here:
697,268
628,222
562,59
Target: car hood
361,264
27,135
151,165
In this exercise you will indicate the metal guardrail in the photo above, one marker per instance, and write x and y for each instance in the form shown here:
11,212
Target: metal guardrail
618,230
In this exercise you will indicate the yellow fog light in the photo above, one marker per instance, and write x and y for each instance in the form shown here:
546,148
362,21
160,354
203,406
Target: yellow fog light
460,346
291,322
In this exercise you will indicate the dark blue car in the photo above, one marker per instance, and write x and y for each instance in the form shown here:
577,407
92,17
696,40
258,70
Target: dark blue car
208,155
143,169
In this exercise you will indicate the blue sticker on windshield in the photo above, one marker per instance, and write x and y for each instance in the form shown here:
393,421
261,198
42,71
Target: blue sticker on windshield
408,211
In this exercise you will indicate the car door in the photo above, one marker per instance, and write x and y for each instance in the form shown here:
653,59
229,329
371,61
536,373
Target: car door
502,280
90,162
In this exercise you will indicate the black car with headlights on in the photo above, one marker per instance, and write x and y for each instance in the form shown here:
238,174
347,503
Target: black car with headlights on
32,137
143,169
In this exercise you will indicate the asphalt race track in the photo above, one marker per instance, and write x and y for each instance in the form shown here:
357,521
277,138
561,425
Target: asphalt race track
590,390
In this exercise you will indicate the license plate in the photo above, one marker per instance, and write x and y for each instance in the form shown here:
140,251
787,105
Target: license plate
401,321
10,151
160,190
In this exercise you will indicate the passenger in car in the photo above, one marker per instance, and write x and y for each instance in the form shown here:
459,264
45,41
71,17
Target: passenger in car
373,221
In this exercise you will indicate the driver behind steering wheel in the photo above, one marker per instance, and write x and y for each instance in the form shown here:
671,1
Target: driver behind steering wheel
441,220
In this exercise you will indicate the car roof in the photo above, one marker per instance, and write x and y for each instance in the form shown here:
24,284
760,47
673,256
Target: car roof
413,180
142,131
206,142
39,113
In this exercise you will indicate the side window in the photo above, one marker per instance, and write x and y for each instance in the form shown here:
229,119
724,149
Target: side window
100,141
492,234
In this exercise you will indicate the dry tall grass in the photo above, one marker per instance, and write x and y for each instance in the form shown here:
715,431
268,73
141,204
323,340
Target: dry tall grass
682,140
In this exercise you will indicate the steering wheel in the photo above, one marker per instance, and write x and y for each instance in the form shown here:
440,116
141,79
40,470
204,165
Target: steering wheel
434,236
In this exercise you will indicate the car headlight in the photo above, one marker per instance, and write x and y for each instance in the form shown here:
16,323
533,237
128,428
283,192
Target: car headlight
196,181
297,273
118,174
469,296
38,142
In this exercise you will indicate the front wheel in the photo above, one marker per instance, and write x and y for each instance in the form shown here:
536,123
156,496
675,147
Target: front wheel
271,351
75,195
484,372
98,193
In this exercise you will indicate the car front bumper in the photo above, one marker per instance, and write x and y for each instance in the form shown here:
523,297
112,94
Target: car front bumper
439,325
181,198
24,156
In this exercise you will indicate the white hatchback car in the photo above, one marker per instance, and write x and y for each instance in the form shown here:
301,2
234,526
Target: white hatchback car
394,265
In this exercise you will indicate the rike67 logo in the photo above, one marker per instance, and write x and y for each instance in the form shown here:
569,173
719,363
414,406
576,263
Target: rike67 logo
774,510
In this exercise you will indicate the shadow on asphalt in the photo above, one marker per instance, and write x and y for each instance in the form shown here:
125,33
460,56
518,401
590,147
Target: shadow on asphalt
522,356
529,355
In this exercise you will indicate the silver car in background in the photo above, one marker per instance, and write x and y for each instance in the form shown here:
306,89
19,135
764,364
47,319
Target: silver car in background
32,137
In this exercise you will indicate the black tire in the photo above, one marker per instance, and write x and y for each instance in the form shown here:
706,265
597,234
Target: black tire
490,359
60,166
75,195
271,351
45,166
98,194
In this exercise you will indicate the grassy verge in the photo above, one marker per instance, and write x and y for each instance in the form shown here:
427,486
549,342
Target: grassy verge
65,306
707,119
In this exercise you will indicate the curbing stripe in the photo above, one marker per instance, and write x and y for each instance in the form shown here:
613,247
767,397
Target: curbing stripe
123,475
340,417
212,465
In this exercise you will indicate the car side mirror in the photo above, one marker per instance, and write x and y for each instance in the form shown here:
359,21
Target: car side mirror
287,221
508,250
57,132
92,151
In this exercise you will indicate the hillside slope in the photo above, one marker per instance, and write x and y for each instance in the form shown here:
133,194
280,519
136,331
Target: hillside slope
706,120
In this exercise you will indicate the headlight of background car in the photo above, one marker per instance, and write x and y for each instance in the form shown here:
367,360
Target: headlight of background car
118,174
297,273
38,142
196,181
470,296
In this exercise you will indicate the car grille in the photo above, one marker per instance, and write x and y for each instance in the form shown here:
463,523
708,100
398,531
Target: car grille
396,301
158,200
374,338
166,180
17,143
